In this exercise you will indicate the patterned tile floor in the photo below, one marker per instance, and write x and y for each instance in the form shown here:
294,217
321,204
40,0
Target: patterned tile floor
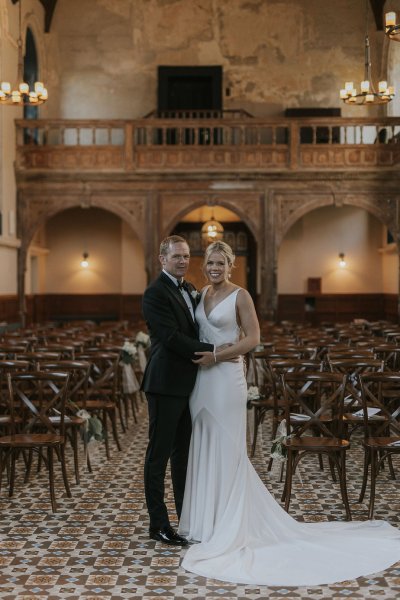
96,545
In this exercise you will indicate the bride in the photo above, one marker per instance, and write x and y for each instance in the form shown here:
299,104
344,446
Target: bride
244,534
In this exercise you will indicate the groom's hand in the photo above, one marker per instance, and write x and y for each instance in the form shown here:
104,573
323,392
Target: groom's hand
207,359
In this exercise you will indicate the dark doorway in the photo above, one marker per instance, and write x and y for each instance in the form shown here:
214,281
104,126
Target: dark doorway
189,89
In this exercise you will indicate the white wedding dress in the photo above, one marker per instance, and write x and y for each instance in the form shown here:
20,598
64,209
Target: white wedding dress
246,537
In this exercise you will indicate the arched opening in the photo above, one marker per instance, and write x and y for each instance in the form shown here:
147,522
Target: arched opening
313,286
236,234
31,71
109,288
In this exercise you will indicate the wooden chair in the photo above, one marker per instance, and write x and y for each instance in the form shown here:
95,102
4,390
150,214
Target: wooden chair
76,398
102,391
390,353
317,425
276,369
380,393
37,396
261,378
353,367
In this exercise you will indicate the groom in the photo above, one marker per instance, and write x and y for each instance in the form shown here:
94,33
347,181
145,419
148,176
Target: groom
168,308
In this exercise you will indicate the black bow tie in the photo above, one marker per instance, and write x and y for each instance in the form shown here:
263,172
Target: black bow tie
183,285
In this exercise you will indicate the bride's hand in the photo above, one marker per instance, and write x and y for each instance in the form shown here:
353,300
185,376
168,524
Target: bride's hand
206,359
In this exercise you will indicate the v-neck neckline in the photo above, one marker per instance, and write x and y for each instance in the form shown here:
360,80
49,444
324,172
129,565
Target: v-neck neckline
220,302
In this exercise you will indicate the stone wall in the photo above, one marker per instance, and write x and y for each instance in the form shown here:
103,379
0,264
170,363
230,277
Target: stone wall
103,54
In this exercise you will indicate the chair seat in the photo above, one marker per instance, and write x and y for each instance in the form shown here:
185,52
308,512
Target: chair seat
25,440
359,419
68,420
6,419
382,442
262,403
317,443
100,404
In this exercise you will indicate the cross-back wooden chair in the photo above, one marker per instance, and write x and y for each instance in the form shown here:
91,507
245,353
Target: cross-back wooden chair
390,353
276,368
314,424
102,391
261,378
37,396
9,366
76,398
353,367
380,393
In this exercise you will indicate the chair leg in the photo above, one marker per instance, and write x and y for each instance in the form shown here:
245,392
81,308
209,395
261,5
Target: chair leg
255,431
114,429
367,461
106,440
74,442
29,464
12,472
64,471
50,465
120,413
288,481
332,468
343,485
273,436
391,468
373,484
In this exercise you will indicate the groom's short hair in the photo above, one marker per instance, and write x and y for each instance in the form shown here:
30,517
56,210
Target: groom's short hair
168,241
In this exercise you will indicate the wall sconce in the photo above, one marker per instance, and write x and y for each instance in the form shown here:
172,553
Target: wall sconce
84,261
342,262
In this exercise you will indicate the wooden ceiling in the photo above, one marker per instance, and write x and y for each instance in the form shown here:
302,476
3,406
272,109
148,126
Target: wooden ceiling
377,7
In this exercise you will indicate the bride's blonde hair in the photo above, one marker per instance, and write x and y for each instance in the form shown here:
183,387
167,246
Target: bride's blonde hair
224,249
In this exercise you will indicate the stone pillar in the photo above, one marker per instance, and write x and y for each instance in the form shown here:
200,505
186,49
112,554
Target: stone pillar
153,233
269,294
21,269
397,237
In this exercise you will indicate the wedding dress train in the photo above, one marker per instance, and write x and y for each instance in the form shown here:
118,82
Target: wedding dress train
245,535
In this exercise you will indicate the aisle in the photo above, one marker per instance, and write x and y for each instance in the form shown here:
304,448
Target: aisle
96,546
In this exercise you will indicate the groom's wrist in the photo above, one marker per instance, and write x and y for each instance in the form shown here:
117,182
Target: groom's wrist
215,353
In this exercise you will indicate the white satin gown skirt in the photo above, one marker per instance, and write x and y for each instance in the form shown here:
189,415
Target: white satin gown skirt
245,535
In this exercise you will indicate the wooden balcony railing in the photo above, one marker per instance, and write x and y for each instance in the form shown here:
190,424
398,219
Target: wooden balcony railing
212,145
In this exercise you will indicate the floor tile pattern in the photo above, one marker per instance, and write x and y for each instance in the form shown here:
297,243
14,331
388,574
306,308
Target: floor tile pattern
96,546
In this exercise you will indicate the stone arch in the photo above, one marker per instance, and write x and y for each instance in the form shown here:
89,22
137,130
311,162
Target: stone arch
35,212
32,21
247,208
293,209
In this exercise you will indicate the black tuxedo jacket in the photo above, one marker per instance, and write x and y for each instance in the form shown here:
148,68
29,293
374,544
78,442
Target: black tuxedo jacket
174,339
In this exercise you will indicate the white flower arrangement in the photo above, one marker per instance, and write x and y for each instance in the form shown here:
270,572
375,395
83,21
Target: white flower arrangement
142,338
253,393
278,448
128,352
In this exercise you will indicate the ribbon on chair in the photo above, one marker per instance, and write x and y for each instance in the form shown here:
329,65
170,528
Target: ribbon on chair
130,384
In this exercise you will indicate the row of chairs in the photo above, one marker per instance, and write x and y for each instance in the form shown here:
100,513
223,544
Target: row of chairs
40,393
271,372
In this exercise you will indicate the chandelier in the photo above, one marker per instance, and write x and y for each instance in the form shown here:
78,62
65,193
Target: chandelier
21,94
211,231
392,29
367,94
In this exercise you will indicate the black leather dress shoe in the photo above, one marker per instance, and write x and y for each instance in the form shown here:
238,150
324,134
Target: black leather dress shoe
168,536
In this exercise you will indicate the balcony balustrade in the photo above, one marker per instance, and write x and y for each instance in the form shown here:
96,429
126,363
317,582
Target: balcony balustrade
212,145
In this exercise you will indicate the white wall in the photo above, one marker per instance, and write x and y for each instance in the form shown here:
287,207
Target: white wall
116,260
311,248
